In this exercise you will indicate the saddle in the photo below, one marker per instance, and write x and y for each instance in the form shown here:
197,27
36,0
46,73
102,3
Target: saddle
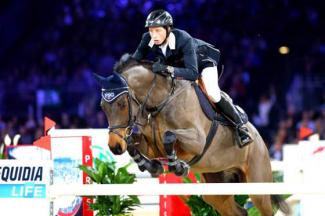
214,115
209,108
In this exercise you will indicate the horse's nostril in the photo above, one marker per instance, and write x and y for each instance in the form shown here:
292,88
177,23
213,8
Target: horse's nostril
118,149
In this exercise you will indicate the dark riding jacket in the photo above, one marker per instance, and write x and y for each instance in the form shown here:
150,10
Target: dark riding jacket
186,54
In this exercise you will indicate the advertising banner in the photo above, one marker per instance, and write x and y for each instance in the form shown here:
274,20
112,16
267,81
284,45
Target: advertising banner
24,184
67,154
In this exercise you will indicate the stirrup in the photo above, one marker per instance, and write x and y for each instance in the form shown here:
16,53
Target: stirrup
245,141
243,136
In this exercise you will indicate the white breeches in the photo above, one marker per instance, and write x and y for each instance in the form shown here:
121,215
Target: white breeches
210,80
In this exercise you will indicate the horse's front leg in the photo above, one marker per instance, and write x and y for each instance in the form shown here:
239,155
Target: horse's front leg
154,167
193,140
179,167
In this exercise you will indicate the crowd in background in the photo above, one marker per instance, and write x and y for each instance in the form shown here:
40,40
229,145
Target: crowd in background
48,71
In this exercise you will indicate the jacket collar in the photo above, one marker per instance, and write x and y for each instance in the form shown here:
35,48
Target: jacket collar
171,41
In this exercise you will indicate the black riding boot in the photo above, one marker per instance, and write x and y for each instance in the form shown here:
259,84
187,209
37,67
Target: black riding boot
228,109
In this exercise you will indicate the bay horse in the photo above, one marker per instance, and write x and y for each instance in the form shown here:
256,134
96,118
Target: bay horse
167,111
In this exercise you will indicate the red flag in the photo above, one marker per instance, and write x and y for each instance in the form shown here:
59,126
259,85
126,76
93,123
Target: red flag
48,124
305,132
43,142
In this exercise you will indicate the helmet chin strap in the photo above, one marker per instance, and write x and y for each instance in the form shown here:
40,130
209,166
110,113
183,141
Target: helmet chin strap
164,42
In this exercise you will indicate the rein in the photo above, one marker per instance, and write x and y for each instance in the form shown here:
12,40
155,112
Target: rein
154,111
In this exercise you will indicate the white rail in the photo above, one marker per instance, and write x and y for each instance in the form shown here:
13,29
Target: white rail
186,189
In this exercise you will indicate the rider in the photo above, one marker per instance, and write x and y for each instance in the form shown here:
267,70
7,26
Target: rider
182,57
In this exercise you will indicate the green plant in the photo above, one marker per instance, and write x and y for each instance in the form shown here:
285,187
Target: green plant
199,207
107,173
196,203
277,176
2,150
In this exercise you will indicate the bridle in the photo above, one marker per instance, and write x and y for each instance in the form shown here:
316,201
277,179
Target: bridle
129,126
132,119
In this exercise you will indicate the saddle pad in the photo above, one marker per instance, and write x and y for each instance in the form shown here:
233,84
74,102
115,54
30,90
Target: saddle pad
204,102
211,113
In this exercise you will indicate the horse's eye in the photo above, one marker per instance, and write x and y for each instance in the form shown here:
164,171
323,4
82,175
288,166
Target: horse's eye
121,104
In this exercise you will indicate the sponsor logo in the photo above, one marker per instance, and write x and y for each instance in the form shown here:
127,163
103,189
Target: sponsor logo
27,190
108,95
21,173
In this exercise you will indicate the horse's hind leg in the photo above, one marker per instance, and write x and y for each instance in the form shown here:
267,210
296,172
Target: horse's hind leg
259,170
226,204
263,204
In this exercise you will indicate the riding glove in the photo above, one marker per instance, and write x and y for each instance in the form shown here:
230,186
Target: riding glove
157,67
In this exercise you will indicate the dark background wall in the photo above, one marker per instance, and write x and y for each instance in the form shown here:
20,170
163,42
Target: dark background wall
49,49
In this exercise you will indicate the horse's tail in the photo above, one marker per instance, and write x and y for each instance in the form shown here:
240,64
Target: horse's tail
281,204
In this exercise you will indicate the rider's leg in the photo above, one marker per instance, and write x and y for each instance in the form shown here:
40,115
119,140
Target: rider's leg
225,105
210,80
228,109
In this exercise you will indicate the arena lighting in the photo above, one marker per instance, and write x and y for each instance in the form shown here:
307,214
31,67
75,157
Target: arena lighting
283,50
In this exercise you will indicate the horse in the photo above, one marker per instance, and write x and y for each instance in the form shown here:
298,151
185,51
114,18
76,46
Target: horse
171,124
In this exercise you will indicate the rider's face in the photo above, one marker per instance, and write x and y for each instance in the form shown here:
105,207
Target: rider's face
158,34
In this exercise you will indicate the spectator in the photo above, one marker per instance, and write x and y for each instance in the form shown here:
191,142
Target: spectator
70,41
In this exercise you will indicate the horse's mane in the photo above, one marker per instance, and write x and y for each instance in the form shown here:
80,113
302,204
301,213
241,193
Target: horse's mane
127,61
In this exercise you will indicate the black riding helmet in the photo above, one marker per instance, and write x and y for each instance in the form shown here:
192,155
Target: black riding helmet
159,18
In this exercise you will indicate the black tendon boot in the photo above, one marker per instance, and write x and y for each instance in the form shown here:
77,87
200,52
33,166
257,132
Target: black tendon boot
179,167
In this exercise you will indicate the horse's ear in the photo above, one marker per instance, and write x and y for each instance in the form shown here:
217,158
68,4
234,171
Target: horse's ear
111,82
126,57
99,79
122,62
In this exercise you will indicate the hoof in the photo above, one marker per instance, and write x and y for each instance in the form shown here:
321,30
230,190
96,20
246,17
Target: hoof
142,168
156,168
182,169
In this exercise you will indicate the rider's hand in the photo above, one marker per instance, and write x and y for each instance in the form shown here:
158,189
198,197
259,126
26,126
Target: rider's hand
157,67
165,70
